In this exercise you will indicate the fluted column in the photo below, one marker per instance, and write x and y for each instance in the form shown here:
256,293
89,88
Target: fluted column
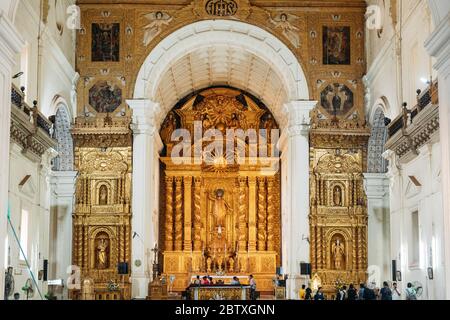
10,44
169,215
145,209
197,214
187,214
294,145
271,214
178,214
242,214
252,214
262,213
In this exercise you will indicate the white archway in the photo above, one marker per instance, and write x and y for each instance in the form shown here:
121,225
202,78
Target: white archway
241,37
237,54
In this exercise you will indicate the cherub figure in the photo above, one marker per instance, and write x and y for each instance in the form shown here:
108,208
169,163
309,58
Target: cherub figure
285,22
157,21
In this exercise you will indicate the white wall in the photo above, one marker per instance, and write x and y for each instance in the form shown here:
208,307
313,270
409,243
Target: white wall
33,196
427,200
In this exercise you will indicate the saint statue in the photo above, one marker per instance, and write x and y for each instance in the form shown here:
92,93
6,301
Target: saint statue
208,264
338,253
231,264
337,196
220,208
103,196
102,255
169,126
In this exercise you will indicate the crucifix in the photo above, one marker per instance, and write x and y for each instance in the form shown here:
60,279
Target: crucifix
155,251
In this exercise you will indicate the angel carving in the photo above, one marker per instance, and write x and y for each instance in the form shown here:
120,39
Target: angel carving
157,21
285,22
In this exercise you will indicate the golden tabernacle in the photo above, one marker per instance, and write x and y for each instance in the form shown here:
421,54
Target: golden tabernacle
221,213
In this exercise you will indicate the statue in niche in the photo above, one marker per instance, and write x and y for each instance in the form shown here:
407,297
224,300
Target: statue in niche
338,254
337,196
220,208
208,264
157,21
169,126
102,254
285,22
231,264
103,196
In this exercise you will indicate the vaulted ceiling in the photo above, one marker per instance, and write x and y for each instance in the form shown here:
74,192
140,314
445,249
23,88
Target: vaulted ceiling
220,65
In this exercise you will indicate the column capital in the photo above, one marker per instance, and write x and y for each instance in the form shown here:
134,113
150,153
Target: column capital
144,115
10,40
438,45
376,185
63,183
298,118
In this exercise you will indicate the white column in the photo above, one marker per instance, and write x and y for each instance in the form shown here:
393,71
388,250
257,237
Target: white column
438,45
10,45
396,198
295,193
146,147
62,201
376,186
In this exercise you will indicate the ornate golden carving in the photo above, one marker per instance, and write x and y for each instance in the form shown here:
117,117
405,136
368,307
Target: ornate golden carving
101,237
169,214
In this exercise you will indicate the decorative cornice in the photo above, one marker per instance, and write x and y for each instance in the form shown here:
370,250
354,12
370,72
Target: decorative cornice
405,143
34,142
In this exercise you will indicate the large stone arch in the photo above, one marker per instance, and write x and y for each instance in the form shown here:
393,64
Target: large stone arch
285,92
235,35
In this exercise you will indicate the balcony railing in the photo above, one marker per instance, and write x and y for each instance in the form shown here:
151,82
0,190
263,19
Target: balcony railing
424,99
32,113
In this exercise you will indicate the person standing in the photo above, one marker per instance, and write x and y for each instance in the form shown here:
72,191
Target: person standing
319,295
308,294
362,288
342,294
411,293
386,293
302,293
396,295
252,284
351,293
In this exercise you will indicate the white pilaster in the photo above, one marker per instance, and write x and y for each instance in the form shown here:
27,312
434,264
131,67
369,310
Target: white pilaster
10,45
62,202
295,193
146,147
438,46
376,186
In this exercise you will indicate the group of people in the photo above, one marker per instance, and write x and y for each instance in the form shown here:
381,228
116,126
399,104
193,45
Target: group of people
209,281
364,293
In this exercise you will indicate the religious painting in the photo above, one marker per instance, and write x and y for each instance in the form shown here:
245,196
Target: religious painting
337,99
336,45
105,97
105,42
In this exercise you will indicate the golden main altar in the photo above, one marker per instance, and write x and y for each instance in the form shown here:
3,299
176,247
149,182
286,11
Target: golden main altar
221,215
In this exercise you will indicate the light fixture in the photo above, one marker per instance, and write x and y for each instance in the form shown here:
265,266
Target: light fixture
425,80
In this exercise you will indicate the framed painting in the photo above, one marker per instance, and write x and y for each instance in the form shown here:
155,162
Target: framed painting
336,46
105,42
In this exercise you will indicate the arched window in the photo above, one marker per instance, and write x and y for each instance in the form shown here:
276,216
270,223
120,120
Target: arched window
376,162
64,161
